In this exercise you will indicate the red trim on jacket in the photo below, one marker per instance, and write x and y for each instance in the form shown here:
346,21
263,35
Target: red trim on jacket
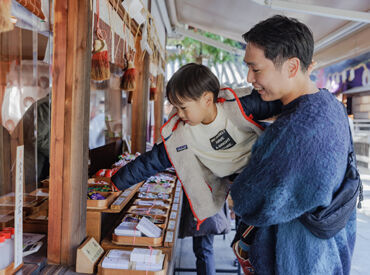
199,222
241,108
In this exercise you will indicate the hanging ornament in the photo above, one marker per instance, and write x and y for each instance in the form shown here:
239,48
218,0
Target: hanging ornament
100,68
336,77
5,16
153,88
344,76
351,74
365,76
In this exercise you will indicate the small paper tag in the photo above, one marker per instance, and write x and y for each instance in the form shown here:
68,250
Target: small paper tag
169,237
173,215
171,225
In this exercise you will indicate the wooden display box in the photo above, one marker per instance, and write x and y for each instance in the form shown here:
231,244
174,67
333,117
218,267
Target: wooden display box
6,218
141,241
88,254
125,197
40,192
102,204
45,183
148,210
31,204
137,202
109,271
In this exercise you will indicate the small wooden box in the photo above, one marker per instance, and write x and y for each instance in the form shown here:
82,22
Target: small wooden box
148,210
109,271
31,204
140,241
6,218
137,202
45,183
88,254
101,204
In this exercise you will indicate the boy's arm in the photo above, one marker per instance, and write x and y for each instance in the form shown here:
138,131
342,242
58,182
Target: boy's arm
143,167
253,104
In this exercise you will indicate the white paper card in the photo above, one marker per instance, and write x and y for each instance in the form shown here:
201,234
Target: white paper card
169,237
148,228
173,215
171,225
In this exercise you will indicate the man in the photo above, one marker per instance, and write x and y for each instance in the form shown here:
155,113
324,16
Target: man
299,161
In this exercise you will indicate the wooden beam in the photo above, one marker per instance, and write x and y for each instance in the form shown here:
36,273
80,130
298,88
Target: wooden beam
352,46
140,101
158,108
69,129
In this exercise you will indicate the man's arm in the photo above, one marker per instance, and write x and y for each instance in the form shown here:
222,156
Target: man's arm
143,167
253,104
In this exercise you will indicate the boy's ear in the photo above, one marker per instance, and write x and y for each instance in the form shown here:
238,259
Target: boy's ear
208,96
293,66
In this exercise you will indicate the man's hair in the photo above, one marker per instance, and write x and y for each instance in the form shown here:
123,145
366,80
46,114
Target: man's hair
282,38
190,82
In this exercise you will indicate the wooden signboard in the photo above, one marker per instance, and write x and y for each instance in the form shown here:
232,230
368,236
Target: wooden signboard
88,254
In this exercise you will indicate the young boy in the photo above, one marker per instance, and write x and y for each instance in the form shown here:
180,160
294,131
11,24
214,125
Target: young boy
207,139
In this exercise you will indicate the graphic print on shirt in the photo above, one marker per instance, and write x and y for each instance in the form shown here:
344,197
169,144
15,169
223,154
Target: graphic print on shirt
222,141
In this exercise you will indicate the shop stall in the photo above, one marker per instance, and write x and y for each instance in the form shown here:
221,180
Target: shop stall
81,83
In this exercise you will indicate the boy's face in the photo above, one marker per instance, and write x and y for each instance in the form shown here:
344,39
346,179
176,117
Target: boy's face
269,81
194,112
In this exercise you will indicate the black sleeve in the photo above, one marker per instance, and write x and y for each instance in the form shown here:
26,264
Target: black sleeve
143,167
253,104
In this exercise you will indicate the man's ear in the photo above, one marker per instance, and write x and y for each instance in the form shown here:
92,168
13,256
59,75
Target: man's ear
293,66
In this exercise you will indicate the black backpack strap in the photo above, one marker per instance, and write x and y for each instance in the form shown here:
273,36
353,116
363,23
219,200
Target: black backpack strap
352,159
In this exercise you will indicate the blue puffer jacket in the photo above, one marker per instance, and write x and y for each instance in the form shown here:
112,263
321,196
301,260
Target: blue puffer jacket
296,165
156,160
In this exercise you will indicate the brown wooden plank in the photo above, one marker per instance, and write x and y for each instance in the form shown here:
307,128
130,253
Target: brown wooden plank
69,134
140,101
158,108
57,131
353,45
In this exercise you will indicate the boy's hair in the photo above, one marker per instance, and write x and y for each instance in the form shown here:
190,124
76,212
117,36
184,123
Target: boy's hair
282,38
190,82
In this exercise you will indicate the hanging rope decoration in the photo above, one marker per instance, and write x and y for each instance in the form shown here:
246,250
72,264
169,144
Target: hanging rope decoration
100,69
5,16
129,77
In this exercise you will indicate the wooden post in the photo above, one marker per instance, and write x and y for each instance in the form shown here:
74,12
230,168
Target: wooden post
140,102
158,108
69,129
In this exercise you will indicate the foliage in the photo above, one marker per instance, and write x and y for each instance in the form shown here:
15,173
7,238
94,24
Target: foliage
192,49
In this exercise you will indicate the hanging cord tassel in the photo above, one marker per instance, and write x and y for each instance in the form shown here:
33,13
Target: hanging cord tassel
100,68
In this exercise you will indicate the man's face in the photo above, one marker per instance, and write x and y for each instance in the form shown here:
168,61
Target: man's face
268,80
